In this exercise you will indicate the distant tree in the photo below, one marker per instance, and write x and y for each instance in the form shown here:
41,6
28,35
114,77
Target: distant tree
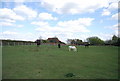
69,41
74,41
114,40
118,41
108,42
44,41
78,42
95,41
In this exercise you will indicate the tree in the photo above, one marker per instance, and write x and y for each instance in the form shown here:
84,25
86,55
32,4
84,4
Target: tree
74,41
44,41
118,43
108,42
114,40
95,41
69,41
78,42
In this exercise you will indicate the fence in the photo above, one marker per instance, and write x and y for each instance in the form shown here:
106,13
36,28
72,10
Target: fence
15,42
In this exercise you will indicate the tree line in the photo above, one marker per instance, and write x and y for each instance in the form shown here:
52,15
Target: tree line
96,41
91,40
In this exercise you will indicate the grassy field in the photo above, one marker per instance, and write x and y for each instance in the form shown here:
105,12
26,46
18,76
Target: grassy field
50,62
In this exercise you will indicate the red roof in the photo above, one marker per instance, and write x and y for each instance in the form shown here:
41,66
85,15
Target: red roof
56,40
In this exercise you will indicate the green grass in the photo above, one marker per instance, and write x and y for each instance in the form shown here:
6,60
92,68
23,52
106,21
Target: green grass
50,62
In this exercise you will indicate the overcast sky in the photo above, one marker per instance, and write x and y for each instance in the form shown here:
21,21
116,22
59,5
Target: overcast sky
65,19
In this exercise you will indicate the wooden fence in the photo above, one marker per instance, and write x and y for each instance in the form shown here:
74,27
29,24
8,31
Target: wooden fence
15,42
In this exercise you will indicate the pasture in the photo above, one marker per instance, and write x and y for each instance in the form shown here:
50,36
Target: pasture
50,62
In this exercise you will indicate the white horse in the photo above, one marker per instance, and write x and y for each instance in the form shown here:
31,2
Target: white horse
72,48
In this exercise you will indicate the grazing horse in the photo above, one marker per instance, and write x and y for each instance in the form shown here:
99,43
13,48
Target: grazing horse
59,45
72,48
87,45
38,42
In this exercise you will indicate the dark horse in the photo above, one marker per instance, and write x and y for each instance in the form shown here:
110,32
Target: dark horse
87,45
59,45
38,42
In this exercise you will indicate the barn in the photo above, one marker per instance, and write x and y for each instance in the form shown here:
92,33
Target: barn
54,41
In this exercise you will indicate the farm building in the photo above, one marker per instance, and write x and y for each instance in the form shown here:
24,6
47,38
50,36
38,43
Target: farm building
54,40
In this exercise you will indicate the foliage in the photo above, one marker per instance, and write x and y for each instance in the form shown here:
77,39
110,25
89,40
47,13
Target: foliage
44,41
74,41
114,41
95,41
